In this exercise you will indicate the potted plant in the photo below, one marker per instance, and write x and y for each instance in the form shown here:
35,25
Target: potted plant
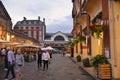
78,58
99,59
101,66
86,62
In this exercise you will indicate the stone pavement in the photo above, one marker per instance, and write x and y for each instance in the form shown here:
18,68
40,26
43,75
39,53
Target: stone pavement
61,68
88,70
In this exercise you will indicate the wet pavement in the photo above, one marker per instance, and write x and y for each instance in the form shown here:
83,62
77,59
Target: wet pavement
61,68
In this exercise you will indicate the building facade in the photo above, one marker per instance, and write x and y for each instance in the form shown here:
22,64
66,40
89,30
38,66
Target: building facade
85,17
57,40
32,28
5,25
11,38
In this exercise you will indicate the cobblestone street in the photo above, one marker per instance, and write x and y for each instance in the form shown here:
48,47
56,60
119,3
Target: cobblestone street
61,68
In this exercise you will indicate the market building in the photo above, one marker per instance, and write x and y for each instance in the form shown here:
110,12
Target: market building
12,38
58,40
5,25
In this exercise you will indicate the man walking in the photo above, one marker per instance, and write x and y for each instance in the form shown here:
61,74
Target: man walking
11,61
6,60
39,59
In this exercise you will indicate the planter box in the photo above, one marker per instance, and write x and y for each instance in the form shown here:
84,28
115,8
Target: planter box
104,71
78,58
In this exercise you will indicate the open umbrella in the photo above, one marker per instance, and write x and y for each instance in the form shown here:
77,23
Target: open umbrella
49,48
43,49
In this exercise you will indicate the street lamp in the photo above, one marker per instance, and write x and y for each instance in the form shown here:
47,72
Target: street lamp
8,37
84,13
12,36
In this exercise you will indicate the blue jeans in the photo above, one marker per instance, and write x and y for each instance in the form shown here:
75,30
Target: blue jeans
10,68
45,64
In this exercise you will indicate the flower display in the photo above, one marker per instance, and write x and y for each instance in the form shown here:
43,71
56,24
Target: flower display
96,30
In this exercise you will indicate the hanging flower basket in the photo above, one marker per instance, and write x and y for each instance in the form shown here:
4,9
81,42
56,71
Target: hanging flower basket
74,43
81,39
96,30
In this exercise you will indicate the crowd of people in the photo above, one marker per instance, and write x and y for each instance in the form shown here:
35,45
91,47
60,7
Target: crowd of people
15,59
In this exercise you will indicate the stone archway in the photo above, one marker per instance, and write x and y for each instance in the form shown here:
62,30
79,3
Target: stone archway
59,38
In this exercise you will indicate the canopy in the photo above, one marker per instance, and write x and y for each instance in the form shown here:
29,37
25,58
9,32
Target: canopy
27,45
12,43
43,49
49,48
3,41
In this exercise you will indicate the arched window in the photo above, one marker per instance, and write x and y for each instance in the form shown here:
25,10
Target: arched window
59,38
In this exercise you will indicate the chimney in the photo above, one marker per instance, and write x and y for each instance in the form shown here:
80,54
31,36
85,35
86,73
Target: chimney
39,18
24,18
44,20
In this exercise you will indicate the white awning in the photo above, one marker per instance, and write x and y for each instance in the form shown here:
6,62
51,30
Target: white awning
28,45
3,41
13,43
49,48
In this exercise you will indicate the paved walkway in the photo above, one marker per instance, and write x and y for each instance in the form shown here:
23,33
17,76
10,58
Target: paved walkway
61,68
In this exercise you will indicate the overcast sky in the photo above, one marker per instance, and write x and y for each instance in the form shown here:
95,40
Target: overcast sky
57,13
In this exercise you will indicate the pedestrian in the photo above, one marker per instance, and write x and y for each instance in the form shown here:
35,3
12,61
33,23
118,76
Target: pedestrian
11,62
63,53
19,63
6,60
45,58
50,52
39,59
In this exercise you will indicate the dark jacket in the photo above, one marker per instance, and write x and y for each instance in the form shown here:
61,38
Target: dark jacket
40,57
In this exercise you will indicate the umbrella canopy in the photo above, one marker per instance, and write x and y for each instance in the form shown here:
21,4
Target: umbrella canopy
28,45
49,48
43,49
3,41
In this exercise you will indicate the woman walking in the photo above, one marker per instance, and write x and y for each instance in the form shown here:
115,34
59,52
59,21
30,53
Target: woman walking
45,58
19,64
